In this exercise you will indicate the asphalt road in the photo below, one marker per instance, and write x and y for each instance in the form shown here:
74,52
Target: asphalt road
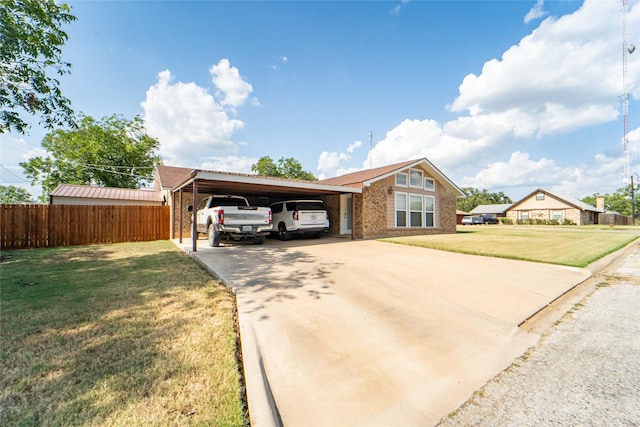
584,372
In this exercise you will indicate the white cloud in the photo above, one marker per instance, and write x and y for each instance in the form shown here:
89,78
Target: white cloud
330,161
284,59
398,7
232,88
537,11
352,147
237,164
565,75
187,121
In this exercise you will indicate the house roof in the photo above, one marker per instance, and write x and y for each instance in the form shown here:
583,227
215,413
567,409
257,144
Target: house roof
366,177
491,209
170,176
108,193
569,200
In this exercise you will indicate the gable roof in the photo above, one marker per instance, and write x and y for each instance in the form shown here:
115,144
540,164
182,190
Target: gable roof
364,178
569,200
170,176
490,209
108,193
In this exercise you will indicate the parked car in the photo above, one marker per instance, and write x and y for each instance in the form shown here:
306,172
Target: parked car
471,220
489,219
299,217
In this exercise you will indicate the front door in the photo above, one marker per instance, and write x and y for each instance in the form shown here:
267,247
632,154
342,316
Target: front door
346,213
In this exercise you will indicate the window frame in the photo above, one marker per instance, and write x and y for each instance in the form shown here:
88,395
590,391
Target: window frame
539,196
433,184
405,210
406,179
412,211
524,215
553,216
432,212
421,185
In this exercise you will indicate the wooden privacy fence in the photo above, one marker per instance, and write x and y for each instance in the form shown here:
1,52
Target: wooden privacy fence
39,226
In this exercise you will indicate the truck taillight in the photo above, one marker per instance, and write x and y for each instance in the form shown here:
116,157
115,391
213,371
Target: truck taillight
270,218
221,216
295,215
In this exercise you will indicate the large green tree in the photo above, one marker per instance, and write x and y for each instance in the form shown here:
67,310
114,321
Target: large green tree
31,37
286,168
620,201
13,194
112,152
477,197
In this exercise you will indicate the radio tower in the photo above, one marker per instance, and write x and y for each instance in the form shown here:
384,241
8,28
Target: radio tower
625,90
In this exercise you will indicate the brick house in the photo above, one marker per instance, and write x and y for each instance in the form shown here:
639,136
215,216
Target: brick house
546,205
407,198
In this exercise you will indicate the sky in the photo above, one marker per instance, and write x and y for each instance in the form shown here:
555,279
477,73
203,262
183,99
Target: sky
506,96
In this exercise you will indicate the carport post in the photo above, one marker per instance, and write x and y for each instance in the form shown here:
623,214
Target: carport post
181,213
194,230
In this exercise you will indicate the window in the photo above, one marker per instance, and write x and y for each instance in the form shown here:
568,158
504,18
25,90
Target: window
401,209
429,184
556,215
415,206
401,179
415,178
524,215
429,211
540,196
277,207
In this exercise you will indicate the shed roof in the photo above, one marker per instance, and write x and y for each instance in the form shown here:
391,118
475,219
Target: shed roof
108,193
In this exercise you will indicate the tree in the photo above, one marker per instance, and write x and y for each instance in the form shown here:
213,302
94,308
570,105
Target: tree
13,194
31,36
286,168
476,197
112,152
620,201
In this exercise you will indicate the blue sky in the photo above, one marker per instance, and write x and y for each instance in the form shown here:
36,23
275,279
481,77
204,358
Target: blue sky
504,95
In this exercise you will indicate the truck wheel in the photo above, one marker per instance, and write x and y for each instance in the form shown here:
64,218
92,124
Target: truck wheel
258,240
214,237
282,232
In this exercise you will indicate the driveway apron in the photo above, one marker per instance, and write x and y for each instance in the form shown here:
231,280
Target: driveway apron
366,333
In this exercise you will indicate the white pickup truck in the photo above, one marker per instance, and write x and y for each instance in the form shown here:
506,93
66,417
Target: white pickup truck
232,217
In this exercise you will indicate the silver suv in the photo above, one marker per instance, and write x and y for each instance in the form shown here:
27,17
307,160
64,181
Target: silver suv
299,217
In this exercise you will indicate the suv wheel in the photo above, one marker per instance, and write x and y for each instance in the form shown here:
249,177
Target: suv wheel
282,232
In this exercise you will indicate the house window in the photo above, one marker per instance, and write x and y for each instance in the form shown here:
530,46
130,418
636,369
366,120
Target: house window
540,196
524,215
401,179
416,210
401,209
415,178
429,211
429,184
556,215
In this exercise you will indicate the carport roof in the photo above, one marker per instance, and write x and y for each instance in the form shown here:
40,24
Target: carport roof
216,182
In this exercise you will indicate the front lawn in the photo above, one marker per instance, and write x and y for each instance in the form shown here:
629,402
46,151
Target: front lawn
125,334
573,246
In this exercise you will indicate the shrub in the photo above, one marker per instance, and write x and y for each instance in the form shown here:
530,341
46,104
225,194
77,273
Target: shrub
506,221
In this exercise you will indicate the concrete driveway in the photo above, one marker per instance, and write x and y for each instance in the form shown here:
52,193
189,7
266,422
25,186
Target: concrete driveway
339,332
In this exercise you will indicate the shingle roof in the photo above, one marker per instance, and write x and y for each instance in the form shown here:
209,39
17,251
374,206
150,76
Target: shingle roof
171,176
570,200
357,179
109,193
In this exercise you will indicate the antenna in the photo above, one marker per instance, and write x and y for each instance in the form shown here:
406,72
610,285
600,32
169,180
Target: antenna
370,149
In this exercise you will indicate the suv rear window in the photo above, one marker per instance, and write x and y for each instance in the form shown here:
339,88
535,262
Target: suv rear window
310,206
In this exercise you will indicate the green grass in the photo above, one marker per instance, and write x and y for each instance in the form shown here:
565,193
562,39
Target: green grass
572,246
126,334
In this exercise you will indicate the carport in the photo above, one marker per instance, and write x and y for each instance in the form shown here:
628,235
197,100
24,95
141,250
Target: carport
265,189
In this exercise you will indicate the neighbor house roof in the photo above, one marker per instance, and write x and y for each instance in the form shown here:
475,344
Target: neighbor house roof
491,209
364,178
106,193
569,200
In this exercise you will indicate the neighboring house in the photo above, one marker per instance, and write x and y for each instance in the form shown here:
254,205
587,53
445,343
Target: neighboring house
406,198
499,211
70,194
546,205
460,215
